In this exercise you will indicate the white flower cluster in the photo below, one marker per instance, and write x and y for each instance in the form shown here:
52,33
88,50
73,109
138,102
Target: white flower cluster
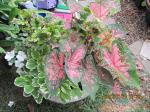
17,59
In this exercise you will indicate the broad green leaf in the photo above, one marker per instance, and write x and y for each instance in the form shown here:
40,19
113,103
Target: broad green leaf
39,99
35,54
19,81
31,64
28,89
44,89
26,95
13,13
35,93
40,68
41,81
2,50
35,82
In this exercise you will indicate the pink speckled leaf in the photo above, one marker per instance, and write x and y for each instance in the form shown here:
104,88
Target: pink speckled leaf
113,59
70,44
89,79
74,63
99,11
74,6
55,68
116,89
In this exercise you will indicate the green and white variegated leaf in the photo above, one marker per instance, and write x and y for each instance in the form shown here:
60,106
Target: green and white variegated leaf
39,99
2,50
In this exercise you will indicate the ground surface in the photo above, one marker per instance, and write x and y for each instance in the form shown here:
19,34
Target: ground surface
134,21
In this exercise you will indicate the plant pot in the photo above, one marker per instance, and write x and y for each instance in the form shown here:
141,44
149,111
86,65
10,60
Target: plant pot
148,12
138,3
73,99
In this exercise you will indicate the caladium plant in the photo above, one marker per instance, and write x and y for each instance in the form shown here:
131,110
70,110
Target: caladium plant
66,63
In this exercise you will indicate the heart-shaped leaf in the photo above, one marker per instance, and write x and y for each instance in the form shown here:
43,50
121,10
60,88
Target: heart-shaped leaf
89,80
74,64
55,68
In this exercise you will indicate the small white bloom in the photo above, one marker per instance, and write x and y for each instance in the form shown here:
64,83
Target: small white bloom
8,38
21,56
10,63
77,15
19,64
10,55
11,103
19,70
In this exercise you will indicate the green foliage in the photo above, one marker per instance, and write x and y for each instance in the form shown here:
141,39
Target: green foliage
67,90
133,72
31,64
2,50
36,36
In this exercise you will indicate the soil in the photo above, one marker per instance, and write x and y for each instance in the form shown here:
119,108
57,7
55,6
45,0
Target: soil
133,20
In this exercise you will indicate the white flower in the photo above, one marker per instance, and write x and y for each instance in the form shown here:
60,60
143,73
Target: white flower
8,38
10,55
19,64
77,15
19,70
10,63
21,56
11,103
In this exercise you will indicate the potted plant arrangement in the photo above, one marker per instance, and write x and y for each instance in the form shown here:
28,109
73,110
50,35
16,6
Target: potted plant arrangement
64,65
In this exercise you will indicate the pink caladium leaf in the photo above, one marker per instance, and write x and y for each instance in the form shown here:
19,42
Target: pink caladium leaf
70,44
99,11
89,79
116,89
74,6
74,63
113,5
114,61
55,68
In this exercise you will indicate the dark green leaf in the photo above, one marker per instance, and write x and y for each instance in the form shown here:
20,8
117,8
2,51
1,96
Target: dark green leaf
35,54
41,81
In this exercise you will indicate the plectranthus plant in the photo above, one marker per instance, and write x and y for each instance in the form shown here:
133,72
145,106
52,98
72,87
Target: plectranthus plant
68,64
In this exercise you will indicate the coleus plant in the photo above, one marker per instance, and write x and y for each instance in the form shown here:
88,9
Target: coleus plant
66,63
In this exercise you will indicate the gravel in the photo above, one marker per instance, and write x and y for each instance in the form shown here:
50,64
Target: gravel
133,19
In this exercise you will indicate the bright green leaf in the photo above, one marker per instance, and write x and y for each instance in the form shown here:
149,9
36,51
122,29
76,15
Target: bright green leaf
28,89
2,50
19,81
31,64
39,99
